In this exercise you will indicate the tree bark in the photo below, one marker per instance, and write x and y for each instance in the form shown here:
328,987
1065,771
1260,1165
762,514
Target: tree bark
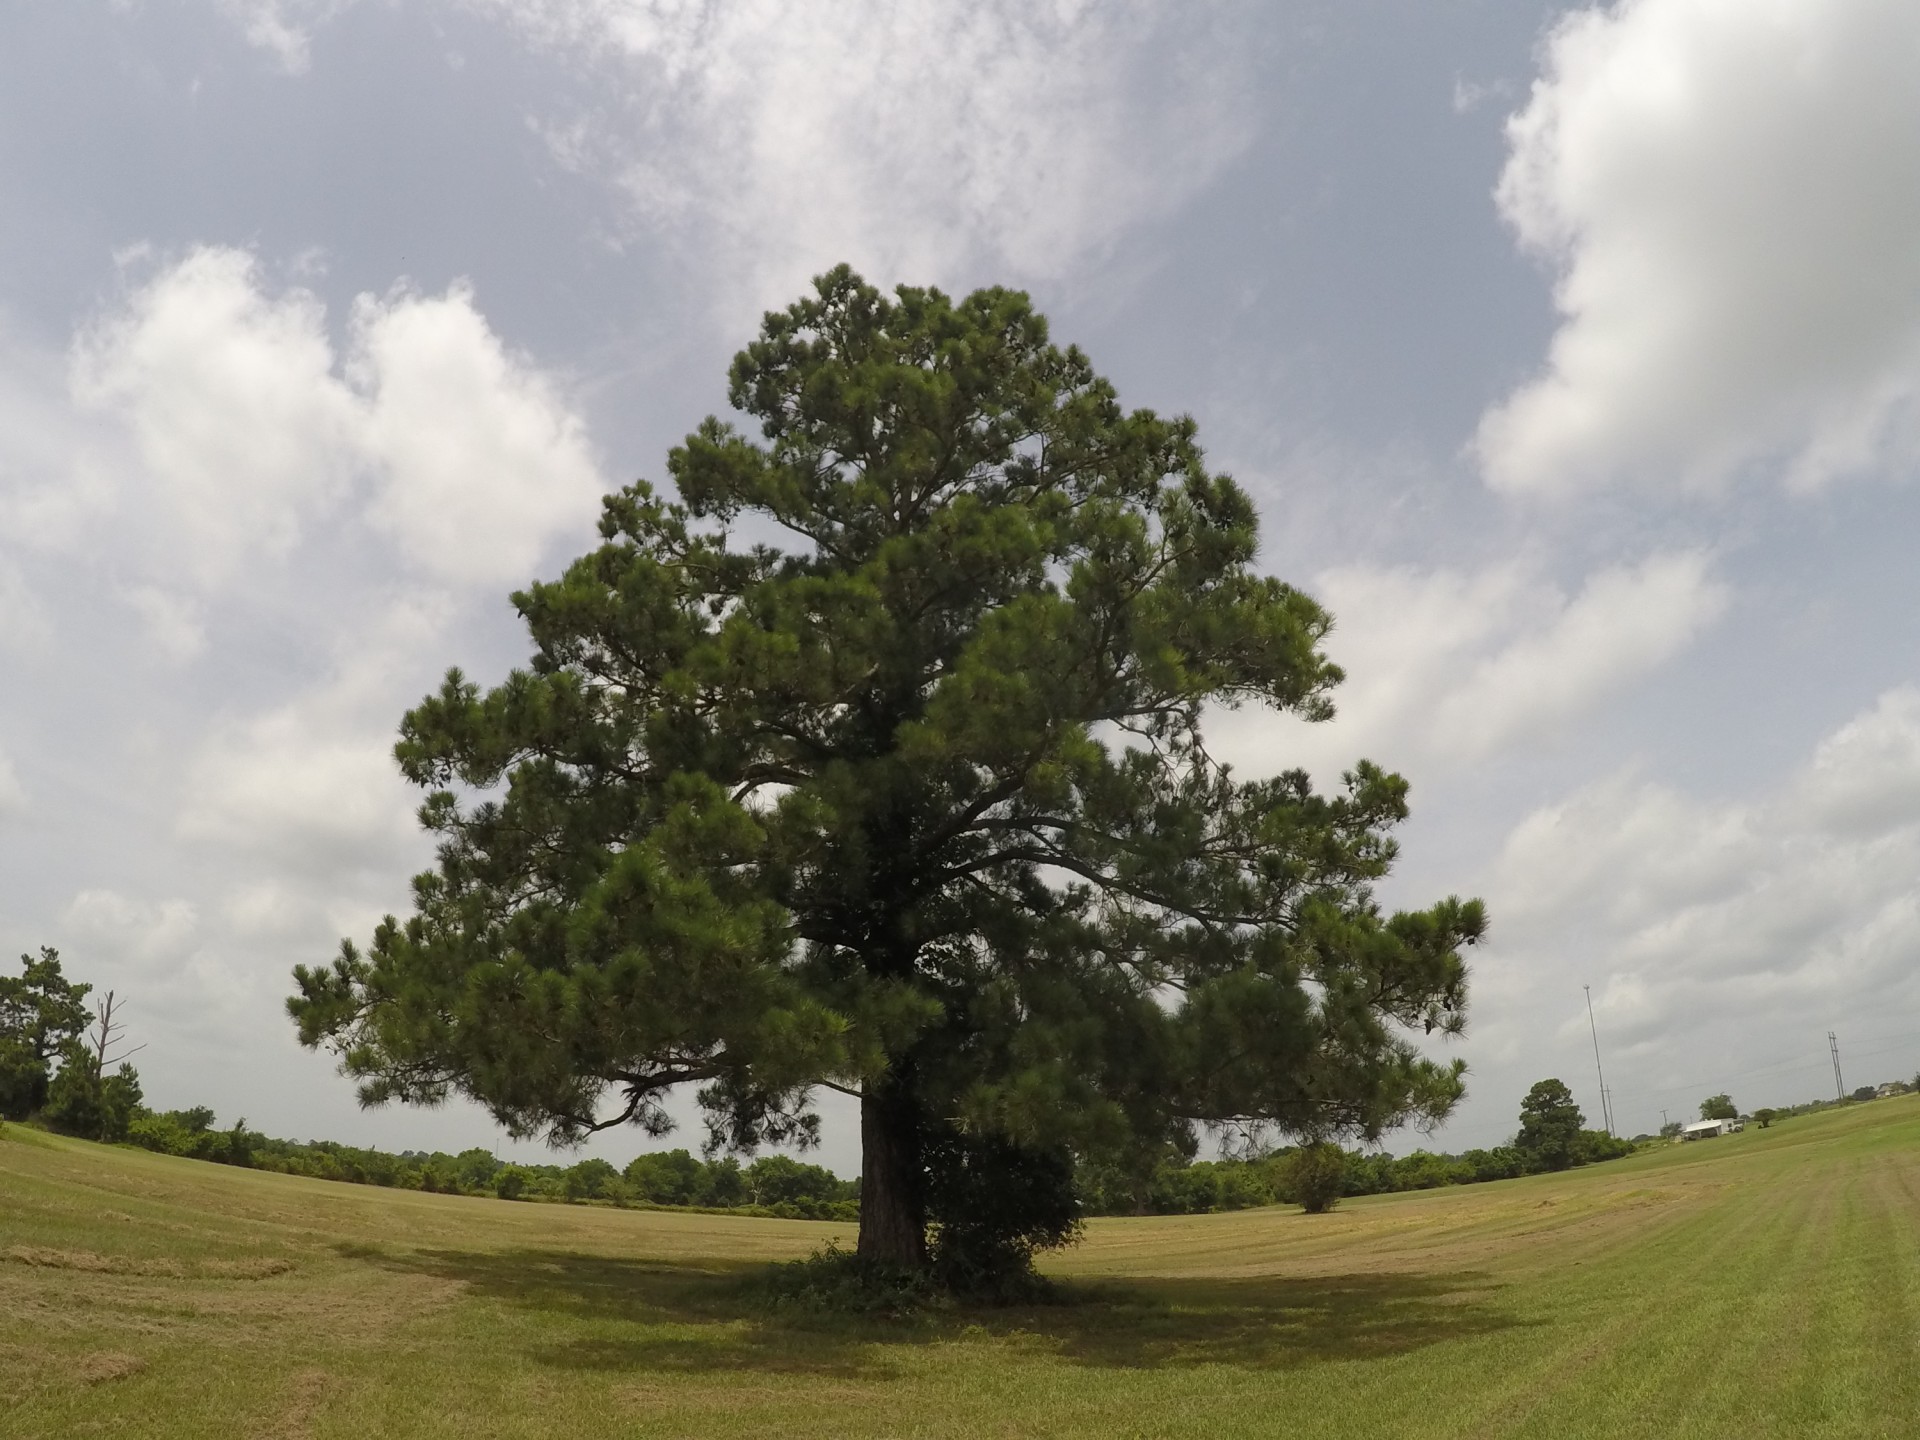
893,1217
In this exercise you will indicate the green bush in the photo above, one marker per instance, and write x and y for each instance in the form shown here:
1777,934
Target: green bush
90,1106
1315,1177
834,1281
23,1080
993,1204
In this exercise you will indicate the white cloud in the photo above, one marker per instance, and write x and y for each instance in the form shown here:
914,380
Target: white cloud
23,619
1865,777
299,795
1793,907
1445,668
133,930
230,396
482,462
13,795
308,791
909,138
249,430
173,623
1729,192
282,28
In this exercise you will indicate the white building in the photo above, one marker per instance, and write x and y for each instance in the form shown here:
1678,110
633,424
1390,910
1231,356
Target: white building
1707,1129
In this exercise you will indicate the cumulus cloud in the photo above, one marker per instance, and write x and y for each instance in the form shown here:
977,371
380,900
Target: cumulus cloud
1728,192
232,404
248,428
283,788
911,139
1446,668
309,788
1697,918
482,461
282,28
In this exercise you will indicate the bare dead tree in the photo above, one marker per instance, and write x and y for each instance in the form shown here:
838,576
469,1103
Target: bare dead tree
106,1033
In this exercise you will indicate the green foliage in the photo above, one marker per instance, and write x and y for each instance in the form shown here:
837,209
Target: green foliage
188,1133
668,1177
94,1107
1596,1145
1721,1107
1315,1177
1670,1130
42,1014
40,1008
791,1190
24,1078
1550,1127
993,1204
833,1282
1865,1092
1765,1116
590,1179
916,804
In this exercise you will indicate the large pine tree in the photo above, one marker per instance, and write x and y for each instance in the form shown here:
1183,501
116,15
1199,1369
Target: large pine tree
875,761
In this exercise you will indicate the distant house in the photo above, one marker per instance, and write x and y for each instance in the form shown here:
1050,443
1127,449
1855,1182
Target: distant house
1892,1087
1707,1129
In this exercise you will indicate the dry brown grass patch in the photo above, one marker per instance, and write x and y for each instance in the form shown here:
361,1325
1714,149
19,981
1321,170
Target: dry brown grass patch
248,1267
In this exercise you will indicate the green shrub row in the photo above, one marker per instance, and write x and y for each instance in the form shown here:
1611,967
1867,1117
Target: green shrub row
1177,1188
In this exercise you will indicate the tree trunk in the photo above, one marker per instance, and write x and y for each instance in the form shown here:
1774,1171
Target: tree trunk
893,1218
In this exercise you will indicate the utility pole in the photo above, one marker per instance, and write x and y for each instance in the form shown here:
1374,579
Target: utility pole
1664,1122
1606,1106
1839,1085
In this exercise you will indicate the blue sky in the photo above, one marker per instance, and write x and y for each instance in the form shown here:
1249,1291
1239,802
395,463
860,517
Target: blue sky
1571,355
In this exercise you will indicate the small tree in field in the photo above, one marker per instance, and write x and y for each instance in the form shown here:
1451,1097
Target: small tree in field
1314,1177
1764,1117
875,762
42,1014
1550,1125
1719,1107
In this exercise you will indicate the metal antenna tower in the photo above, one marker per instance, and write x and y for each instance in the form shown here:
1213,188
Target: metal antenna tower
1606,1105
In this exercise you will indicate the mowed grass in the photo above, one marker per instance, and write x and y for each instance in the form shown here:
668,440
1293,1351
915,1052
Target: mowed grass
1762,1284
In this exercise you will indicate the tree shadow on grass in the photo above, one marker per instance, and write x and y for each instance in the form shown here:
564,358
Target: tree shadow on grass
666,1316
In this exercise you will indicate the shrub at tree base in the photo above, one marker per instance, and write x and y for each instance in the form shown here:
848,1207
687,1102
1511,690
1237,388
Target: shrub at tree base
994,1203
834,1281
1315,1177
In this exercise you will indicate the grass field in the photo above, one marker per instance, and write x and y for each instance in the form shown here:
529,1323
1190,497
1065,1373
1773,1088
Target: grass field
1763,1284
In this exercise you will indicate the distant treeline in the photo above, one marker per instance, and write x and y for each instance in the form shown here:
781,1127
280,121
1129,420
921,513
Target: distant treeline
773,1185
1207,1185
777,1185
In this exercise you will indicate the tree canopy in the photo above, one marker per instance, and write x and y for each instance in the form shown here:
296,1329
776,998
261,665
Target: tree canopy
872,759
1550,1126
42,1014
1719,1107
